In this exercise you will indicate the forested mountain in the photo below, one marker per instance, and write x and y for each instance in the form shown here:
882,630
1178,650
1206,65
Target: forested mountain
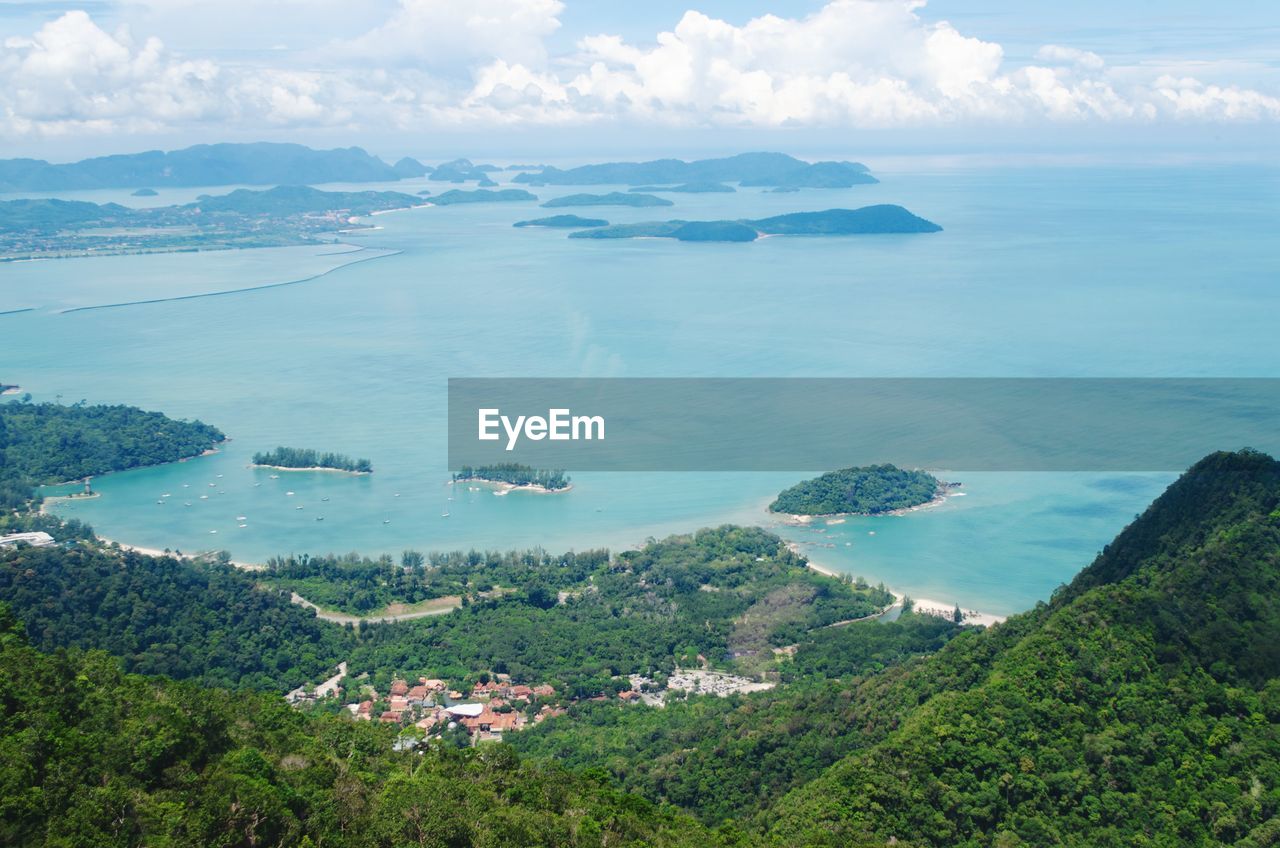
1141,706
755,169
259,163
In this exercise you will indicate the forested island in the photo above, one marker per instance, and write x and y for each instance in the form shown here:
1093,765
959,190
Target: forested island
865,490
563,222
461,171
879,219
748,169
145,192
242,218
306,459
480,195
613,198
514,474
260,163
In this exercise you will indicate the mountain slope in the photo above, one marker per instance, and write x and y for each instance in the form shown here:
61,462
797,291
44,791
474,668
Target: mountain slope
1140,707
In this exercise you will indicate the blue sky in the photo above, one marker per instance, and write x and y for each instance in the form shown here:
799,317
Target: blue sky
546,75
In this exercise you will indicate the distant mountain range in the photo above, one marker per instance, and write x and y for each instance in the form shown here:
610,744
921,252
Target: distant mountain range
259,163
748,169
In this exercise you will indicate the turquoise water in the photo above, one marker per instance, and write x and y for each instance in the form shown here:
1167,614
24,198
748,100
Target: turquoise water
1039,272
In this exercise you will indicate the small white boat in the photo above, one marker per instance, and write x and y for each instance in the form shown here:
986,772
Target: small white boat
166,495
275,476
186,485
318,517
297,507
219,475
288,494
242,518
213,531
244,525
257,484
160,502
188,503
211,485
204,497
444,514
386,521
396,495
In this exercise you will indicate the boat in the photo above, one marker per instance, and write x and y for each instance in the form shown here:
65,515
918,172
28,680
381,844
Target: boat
213,531
298,507
188,503
219,475
166,495
275,476
444,514
241,518
386,521
324,500
288,494
244,525
160,502
318,517
204,497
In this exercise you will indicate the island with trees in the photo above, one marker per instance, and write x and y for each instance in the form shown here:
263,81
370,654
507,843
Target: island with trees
455,196
864,490
613,198
145,192
747,169
515,476
564,222
867,220
306,459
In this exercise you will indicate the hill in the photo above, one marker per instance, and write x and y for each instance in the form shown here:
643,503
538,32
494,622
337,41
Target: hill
259,163
1139,707
480,195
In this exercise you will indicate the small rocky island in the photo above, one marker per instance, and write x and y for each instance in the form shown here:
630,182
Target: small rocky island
510,476
145,192
864,490
306,459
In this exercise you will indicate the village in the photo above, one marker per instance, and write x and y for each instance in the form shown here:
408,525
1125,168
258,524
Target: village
495,706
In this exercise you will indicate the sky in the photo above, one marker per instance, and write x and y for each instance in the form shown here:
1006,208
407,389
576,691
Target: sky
437,78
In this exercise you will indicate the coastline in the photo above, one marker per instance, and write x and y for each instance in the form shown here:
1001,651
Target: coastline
924,606
839,517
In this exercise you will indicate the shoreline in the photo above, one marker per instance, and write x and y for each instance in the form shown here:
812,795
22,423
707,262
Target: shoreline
505,488
923,606
839,517
309,468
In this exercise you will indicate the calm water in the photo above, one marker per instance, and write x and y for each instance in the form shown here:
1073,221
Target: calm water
1040,272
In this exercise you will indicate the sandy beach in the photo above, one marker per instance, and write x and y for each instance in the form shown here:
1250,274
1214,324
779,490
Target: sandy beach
507,488
308,468
924,606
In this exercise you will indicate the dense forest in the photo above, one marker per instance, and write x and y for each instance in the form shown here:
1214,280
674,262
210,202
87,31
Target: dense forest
283,457
42,443
867,490
515,474
729,595
90,756
161,615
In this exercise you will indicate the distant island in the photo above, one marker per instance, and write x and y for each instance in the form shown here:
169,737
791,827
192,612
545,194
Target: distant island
866,490
867,220
564,221
481,195
748,169
613,198
145,192
691,188
305,459
243,218
461,171
259,163
515,475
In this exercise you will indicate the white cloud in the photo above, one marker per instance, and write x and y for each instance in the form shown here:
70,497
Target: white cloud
433,63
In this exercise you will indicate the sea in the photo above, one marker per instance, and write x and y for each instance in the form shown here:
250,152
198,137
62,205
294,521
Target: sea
1090,270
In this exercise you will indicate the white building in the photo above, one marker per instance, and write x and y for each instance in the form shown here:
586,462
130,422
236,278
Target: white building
38,539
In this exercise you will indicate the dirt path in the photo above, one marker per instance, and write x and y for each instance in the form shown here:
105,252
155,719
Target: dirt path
438,606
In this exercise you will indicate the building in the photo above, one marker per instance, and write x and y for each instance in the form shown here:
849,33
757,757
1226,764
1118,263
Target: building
38,539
